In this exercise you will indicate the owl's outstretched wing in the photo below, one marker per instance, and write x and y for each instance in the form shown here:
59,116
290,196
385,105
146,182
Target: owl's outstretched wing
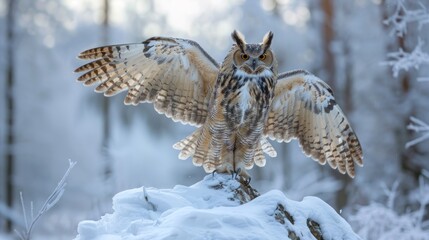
177,75
304,108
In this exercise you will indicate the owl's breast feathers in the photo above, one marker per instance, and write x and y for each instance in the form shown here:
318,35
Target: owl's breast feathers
231,138
245,98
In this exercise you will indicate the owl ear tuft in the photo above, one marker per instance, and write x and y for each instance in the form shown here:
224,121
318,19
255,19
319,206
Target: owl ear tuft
238,37
266,41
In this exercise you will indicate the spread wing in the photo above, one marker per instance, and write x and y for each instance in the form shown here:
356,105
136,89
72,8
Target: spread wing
177,75
304,108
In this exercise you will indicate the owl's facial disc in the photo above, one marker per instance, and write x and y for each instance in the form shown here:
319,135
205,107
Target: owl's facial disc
253,62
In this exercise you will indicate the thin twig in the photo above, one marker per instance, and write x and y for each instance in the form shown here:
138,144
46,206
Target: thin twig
417,126
49,203
23,210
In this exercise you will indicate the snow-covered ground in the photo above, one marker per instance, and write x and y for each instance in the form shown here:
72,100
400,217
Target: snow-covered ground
217,207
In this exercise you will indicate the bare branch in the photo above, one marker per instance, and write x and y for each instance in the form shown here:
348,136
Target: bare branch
418,126
49,203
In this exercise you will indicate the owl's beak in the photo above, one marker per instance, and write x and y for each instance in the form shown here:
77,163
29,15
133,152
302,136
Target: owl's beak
251,66
254,64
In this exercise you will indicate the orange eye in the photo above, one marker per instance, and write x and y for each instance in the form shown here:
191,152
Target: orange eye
244,56
262,57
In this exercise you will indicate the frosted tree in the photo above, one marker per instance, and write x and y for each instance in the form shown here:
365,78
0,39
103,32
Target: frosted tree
403,60
385,220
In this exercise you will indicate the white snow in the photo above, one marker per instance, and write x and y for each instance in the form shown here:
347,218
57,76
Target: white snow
210,210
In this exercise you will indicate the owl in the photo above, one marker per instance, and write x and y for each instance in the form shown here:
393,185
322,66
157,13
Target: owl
236,106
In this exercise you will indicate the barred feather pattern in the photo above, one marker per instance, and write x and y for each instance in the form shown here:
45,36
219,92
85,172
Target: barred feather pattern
236,106
177,75
304,108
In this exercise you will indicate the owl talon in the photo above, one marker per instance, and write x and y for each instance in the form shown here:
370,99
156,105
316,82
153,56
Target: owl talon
236,174
213,173
247,182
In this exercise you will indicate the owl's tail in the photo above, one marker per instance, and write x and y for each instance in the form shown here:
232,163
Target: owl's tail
188,145
263,147
206,151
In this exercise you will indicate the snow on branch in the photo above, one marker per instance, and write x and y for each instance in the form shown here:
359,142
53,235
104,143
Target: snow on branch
404,16
382,222
402,60
51,201
418,126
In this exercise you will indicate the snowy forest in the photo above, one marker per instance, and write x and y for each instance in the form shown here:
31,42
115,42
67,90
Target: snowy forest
373,53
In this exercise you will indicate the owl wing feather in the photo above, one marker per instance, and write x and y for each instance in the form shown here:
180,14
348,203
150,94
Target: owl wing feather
177,75
304,108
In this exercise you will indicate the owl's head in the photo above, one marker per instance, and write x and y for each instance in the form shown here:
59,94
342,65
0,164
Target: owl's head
253,58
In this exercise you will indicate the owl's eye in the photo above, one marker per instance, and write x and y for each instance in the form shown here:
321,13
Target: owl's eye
244,56
263,57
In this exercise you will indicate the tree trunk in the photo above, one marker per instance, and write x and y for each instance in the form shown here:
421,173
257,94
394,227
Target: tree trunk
403,135
343,193
10,109
329,69
328,37
107,169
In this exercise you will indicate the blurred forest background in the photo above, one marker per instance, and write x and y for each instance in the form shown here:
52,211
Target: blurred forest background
373,53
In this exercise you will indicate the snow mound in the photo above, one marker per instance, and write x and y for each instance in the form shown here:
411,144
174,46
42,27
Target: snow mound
218,207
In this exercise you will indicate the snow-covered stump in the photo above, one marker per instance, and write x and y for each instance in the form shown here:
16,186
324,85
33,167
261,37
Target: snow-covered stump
217,207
